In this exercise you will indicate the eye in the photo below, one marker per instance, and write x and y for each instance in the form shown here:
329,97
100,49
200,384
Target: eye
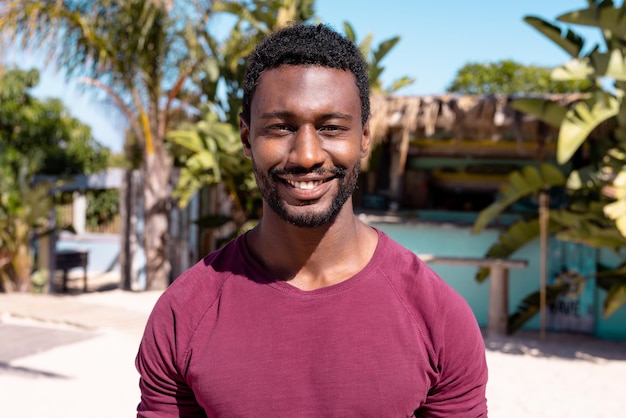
332,130
279,129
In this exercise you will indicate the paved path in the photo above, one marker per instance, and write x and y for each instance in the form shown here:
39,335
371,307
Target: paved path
122,311
73,356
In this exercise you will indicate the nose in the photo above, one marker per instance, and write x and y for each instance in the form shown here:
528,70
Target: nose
307,149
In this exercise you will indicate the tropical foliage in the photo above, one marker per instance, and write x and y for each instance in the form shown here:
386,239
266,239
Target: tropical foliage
29,125
36,137
212,149
374,56
508,77
595,214
160,65
207,146
136,52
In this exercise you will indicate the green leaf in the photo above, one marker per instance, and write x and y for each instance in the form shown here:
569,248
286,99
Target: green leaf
520,184
593,236
576,69
571,42
365,46
612,64
512,239
580,121
603,16
597,64
531,304
187,139
546,110
384,48
401,83
349,31
615,299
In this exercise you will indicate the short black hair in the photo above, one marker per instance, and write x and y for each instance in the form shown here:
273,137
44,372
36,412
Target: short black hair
305,44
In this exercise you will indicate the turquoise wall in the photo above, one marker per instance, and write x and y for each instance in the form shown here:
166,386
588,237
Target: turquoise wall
453,240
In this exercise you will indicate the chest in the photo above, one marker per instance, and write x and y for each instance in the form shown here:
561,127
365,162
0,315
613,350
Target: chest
277,356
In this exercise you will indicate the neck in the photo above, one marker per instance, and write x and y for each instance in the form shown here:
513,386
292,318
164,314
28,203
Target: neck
311,258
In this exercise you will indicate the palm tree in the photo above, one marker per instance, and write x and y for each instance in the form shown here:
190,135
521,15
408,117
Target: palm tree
212,147
135,51
210,152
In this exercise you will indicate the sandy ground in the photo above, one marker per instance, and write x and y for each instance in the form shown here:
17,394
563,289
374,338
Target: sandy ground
561,376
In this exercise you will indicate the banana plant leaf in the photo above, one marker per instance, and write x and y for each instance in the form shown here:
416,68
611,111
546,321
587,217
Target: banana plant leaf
531,304
528,181
580,120
546,110
615,299
613,280
576,69
597,64
512,239
522,232
571,42
617,209
589,234
603,16
584,223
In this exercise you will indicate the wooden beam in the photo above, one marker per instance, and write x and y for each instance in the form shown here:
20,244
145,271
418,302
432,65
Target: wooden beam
498,315
480,148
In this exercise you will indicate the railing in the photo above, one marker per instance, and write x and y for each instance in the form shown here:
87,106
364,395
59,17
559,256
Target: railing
498,315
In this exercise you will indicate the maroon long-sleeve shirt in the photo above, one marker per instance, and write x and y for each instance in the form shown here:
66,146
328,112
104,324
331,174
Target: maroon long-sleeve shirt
227,340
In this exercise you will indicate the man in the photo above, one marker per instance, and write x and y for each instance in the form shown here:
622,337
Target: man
312,313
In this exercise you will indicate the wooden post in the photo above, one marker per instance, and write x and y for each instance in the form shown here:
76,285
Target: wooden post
544,217
498,316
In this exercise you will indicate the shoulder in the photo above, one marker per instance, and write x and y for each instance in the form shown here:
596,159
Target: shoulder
439,311
186,301
413,279
205,279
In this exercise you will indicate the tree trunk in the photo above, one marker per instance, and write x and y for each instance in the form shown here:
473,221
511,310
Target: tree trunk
22,267
129,201
156,181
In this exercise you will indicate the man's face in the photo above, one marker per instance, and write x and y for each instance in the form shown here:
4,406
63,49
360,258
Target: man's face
306,140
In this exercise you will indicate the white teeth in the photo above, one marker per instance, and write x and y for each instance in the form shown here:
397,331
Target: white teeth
304,185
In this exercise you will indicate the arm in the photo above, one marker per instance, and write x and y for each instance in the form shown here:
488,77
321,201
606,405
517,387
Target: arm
460,389
164,391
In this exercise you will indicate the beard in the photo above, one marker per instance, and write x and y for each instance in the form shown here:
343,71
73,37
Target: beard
268,185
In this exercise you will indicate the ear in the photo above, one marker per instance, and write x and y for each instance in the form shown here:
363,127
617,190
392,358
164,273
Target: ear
244,135
365,139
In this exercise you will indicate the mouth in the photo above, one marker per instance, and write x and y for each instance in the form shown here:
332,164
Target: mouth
305,185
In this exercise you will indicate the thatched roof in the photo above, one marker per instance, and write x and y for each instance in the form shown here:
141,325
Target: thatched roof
459,117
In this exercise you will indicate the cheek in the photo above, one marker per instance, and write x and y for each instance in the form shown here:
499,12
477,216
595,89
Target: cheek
345,153
266,155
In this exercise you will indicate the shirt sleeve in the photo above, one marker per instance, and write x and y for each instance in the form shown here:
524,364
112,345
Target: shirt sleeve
164,391
462,367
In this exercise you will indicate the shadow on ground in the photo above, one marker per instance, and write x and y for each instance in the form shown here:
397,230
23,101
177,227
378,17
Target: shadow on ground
21,340
567,346
6,368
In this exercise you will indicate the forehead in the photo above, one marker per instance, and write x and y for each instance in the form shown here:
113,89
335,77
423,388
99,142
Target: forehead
307,88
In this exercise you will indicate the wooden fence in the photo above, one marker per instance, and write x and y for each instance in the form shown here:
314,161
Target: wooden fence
65,216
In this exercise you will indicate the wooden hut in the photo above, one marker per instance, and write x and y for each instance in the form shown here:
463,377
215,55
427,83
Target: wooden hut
452,142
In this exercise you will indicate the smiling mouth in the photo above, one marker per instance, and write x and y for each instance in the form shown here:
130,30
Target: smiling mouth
304,185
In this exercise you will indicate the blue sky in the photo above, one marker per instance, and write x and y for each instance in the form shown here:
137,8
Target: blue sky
437,39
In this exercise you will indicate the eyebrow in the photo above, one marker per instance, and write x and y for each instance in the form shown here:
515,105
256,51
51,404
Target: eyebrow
287,115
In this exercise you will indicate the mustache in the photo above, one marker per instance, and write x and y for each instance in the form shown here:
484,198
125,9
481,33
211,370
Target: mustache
339,172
